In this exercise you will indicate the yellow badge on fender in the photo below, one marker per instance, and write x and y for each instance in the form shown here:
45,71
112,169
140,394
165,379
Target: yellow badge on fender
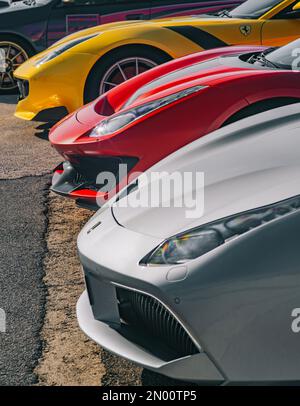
245,30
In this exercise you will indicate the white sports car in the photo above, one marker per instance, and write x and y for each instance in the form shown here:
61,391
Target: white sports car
213,299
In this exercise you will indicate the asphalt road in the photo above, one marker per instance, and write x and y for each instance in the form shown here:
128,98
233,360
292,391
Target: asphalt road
40,275
22,292
23,225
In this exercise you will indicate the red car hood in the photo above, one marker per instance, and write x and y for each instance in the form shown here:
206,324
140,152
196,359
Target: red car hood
207,74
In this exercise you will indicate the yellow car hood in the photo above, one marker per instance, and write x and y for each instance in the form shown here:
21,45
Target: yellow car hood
164,22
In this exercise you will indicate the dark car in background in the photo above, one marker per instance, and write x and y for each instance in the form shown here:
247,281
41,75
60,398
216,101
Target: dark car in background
29,26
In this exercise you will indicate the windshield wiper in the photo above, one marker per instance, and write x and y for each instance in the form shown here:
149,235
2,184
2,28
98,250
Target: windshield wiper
30,2
262,59
225,13
222,13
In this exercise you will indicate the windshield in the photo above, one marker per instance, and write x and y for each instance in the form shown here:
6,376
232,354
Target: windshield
254,8
287,57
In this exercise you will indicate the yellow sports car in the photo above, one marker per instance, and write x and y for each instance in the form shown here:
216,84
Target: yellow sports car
84,65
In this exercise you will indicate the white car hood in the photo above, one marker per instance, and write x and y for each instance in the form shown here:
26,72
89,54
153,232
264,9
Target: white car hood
249,164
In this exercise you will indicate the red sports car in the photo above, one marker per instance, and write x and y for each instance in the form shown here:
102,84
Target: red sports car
152,115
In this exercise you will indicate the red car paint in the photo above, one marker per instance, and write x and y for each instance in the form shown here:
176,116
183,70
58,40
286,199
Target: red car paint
153,137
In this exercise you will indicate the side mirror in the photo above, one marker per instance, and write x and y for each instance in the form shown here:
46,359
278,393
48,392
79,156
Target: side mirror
297,6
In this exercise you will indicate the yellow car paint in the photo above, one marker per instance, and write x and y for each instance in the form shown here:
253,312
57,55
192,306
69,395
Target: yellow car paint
61,81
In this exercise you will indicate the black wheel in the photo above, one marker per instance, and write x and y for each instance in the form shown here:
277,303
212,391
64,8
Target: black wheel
13,52
119,66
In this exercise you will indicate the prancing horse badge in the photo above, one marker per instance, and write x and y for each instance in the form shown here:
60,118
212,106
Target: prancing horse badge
245,30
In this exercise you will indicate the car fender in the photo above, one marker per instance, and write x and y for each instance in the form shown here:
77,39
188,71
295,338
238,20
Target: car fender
22,36
155,36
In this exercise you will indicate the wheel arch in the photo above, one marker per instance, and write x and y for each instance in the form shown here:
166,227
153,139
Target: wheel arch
101,60
19,36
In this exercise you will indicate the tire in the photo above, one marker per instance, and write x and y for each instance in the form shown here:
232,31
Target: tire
13,52
104,69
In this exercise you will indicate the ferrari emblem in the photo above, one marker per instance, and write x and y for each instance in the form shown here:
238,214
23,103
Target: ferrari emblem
245,30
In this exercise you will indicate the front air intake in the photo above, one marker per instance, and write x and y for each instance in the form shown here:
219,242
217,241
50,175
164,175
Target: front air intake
23,86
144,313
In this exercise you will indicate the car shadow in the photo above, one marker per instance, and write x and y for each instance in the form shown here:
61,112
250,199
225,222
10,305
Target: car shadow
42,130
150,378
9,98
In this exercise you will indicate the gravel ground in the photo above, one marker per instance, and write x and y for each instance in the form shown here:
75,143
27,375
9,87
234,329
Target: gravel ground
68,357
24,148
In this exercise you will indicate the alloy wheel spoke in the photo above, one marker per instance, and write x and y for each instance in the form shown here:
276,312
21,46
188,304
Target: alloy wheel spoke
8,52
16,56
11,79
13,56
110,84
122,72
136,66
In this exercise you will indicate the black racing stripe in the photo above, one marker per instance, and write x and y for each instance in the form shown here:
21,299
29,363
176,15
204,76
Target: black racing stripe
200,37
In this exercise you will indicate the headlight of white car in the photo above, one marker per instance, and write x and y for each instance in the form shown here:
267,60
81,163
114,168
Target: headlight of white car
121,120
63,48
192,244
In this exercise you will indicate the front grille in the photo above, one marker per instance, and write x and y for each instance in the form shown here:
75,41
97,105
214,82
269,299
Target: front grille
79,179
91,167
23,86
144,313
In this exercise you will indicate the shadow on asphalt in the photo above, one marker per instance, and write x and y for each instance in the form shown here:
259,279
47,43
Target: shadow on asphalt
42,131
42,128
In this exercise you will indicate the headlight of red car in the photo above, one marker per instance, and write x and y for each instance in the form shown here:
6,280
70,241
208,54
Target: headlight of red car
121,120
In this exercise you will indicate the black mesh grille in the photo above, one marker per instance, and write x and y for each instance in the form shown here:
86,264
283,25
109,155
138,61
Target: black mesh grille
91,167
79,179
146,313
